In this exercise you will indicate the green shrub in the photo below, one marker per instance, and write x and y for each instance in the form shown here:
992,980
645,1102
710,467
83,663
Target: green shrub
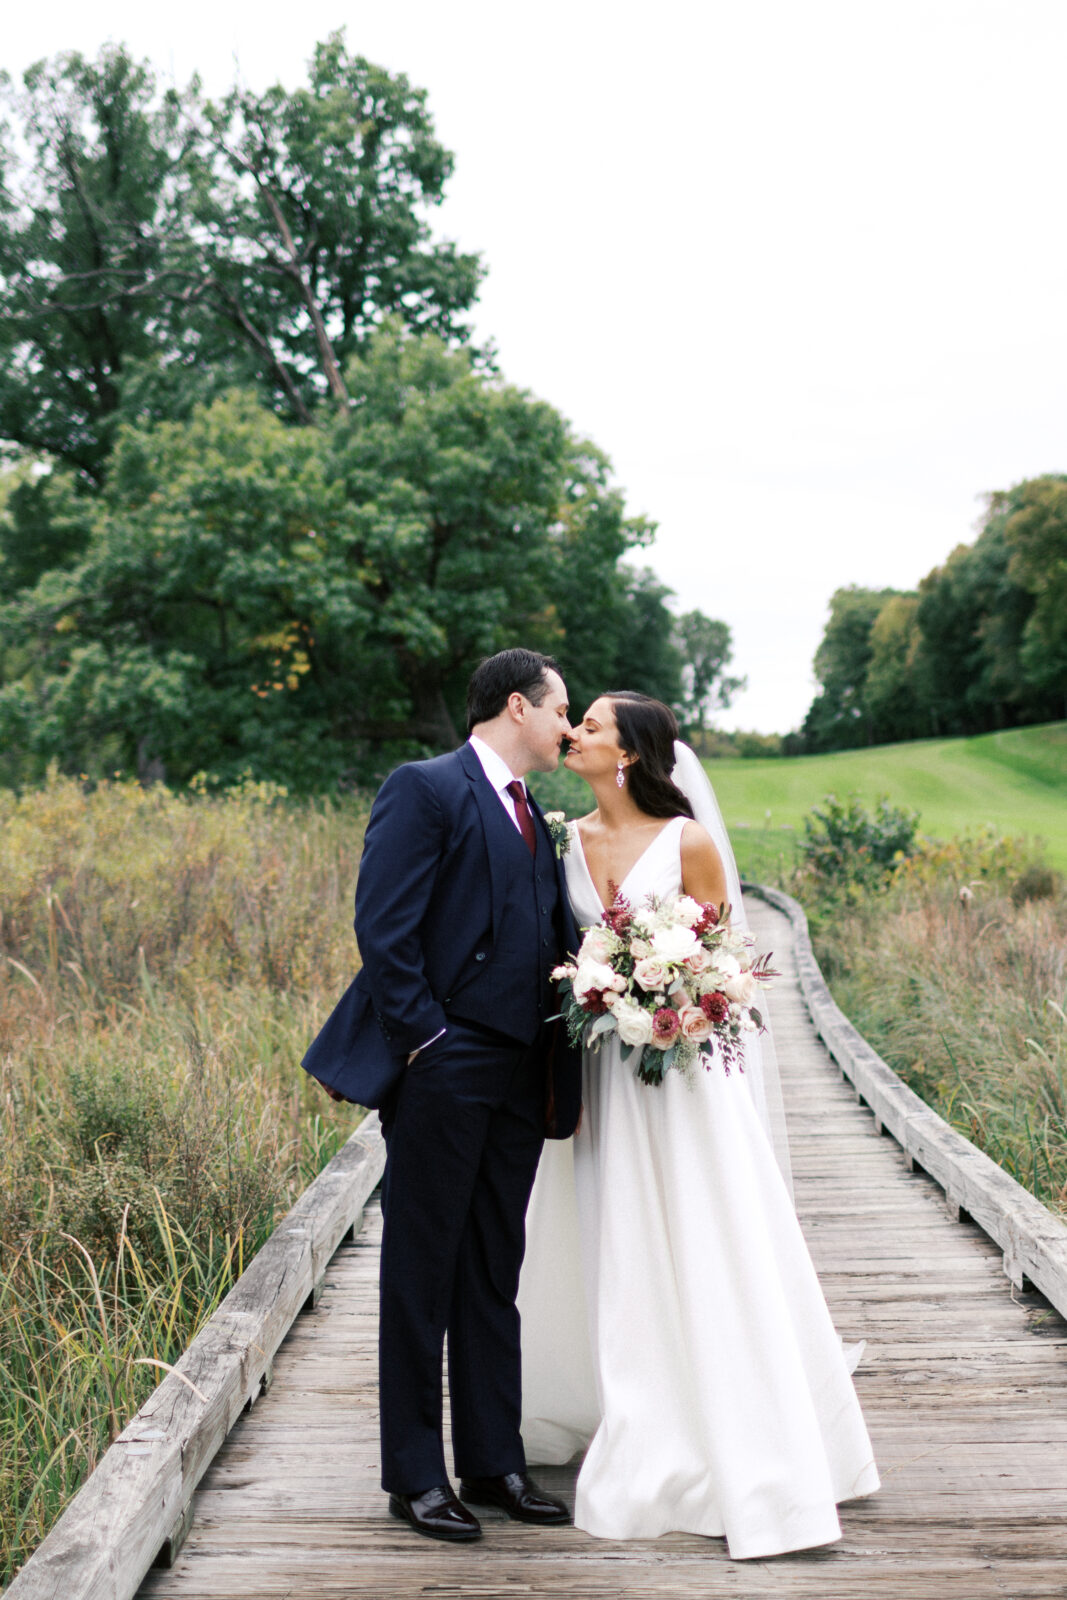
844,845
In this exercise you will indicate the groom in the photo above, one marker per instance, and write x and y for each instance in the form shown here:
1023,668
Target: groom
461,913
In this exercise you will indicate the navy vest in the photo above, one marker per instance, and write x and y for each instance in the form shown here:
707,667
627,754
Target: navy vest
506,985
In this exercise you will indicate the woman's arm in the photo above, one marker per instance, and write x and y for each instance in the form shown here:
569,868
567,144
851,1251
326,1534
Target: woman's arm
702,870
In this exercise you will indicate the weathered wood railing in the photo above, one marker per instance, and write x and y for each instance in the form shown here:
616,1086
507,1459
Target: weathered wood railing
1033,1241
134,1510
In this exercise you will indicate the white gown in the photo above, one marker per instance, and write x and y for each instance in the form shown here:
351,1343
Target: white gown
670,1310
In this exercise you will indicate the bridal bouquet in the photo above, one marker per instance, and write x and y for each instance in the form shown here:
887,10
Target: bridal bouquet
672,978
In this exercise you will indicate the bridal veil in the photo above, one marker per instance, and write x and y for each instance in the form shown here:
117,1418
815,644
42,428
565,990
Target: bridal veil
761,1061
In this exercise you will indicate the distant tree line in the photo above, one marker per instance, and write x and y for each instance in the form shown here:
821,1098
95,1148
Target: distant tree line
264,505
981,645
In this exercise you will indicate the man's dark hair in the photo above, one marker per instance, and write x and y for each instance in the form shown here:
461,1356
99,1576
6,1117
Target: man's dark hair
498,677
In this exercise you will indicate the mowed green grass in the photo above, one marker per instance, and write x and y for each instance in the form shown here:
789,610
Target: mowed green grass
1016,781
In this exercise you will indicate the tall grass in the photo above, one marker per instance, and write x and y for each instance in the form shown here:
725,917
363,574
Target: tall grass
957,975
163,962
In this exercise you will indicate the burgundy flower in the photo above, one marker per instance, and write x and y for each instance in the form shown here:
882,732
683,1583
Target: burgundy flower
707,921
619,915
715,1006
593,1001
665,1026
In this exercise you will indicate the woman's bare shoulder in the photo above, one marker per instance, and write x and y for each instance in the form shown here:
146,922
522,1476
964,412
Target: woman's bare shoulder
703,874
697,842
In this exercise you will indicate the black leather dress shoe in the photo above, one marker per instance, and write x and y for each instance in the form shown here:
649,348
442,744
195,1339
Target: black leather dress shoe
518,1495
437,1514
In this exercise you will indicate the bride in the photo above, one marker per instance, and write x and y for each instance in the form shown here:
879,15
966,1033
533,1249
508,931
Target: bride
671,1317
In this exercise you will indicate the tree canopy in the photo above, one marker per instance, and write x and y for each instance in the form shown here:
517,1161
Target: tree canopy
267,506
981,645
284,598
155,250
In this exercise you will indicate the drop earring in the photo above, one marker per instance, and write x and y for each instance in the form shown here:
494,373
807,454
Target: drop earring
620,774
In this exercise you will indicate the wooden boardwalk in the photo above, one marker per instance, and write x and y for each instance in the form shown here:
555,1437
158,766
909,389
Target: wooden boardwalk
964,1386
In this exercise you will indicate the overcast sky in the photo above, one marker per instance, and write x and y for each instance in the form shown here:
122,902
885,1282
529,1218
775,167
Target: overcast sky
798,266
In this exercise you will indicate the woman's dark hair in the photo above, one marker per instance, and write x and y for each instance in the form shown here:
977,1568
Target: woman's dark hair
498,677
647,729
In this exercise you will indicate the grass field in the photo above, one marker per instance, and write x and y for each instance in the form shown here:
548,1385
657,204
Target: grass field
1016,781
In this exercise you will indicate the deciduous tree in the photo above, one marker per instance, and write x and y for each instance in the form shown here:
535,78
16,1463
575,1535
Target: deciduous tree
707,650
1036,532
838,717
282,598
155,250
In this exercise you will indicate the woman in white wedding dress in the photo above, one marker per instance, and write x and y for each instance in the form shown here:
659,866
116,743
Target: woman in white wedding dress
671,1317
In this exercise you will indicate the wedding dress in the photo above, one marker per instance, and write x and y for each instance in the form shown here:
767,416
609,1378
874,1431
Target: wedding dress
670,1311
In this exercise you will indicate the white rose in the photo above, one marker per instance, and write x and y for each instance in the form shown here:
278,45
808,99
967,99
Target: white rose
743,989
726,966
650,973
633,1022
674,944
555,816
699,961
598,944
596,975
688,910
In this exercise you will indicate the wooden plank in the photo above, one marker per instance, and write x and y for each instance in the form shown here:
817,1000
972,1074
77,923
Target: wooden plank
939,1528
136,1501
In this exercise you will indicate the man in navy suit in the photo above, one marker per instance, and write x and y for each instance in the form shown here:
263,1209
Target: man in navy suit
461,914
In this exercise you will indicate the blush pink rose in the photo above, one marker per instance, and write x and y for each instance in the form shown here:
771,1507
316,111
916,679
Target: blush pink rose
742,989
694,1024
651,973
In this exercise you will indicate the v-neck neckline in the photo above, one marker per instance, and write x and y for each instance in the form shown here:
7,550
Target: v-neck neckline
621,886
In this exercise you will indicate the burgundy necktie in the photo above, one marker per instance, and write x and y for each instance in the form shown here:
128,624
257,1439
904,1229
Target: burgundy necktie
523,815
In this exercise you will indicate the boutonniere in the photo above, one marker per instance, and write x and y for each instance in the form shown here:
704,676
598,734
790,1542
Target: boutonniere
556,823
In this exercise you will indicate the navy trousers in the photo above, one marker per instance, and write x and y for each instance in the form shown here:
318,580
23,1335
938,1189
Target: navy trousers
463,1133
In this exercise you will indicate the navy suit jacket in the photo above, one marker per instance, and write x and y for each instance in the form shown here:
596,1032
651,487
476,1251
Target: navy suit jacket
428,894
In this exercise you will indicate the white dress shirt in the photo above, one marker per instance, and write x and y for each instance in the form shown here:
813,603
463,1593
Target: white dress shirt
499,774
